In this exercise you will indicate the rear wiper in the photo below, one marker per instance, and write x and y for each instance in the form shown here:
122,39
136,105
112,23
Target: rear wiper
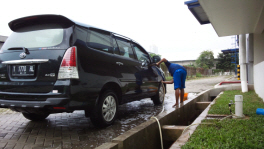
20,48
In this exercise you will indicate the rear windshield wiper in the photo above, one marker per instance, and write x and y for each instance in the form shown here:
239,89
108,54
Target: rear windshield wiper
20,48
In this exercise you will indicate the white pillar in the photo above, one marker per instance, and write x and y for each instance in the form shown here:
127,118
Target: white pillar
242,62
250,58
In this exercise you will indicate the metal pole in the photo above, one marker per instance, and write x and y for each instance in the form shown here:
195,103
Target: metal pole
242,62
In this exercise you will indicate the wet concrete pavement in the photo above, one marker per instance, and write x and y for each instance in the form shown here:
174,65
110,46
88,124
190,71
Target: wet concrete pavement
201,84
70,130
74,130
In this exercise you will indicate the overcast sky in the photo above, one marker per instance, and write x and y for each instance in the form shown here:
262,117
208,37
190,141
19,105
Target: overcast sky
167,24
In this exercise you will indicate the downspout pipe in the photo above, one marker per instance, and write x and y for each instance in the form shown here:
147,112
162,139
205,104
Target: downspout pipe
242,62
250,58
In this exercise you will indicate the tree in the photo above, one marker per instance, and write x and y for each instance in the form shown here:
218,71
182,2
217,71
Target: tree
153,54
224,62
205,60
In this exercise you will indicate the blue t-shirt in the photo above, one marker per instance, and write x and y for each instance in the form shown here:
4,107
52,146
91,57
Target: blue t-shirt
173,67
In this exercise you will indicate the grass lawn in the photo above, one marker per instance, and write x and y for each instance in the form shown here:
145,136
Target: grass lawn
231,133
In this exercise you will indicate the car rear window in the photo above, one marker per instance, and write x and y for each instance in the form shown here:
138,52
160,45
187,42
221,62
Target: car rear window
33,39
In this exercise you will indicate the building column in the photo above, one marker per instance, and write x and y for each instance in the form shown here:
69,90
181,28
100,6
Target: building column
242,62
250,58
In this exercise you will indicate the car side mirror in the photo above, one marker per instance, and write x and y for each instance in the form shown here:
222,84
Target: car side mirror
156,58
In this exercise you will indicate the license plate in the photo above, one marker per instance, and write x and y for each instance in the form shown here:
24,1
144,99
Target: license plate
23,70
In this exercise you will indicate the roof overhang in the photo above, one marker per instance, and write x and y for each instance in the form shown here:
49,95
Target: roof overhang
233,17
197,10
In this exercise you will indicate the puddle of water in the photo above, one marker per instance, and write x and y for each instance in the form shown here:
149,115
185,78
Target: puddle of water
191,95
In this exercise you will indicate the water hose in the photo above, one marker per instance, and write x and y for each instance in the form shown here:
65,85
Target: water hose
161,139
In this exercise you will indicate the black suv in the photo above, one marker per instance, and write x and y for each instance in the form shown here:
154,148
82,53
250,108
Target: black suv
51,64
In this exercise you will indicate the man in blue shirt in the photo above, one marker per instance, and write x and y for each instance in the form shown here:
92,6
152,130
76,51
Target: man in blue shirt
179,74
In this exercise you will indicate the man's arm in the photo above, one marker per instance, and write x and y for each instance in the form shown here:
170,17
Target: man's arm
168,82
162,60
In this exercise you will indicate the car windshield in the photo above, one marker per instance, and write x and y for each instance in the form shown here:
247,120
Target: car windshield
33,39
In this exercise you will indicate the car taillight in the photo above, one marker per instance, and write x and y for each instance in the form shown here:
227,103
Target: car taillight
68,68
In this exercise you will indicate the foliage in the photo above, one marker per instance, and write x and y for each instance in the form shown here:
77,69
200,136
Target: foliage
198,74
162,65
153,54
205,60
231,133
217,70
224,62
191,65
169,78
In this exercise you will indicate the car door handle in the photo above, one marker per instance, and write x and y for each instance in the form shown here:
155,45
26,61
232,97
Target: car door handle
119,63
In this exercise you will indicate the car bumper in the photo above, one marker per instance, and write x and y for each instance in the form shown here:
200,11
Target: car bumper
33,104
31,100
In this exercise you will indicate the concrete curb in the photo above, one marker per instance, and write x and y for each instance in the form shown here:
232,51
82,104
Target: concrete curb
187,134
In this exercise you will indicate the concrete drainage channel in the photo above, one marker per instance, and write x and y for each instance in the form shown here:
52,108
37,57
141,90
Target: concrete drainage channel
186,117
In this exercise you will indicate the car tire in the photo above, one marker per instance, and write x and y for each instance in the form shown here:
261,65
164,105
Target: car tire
158,99
35,117
105,112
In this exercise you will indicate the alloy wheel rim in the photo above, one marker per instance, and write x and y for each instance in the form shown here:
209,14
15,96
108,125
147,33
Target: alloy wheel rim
109,108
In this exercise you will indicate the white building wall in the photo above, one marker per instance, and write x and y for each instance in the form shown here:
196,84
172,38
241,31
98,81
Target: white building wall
259,64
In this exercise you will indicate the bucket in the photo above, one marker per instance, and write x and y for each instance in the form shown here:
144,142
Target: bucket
260,111
185,96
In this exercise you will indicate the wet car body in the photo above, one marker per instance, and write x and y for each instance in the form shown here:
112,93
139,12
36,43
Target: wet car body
72,67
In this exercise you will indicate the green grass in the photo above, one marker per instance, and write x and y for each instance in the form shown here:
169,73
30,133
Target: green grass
231,133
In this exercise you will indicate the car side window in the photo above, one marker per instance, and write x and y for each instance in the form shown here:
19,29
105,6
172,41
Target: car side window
116,50
125,48
100,41
142,56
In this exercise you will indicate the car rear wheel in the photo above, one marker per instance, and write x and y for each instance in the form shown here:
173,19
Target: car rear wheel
35,117
106,110
159,97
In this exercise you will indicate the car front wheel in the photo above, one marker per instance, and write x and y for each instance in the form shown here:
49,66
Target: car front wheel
159,97
106,110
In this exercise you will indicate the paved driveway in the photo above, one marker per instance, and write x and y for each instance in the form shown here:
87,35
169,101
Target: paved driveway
69,130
